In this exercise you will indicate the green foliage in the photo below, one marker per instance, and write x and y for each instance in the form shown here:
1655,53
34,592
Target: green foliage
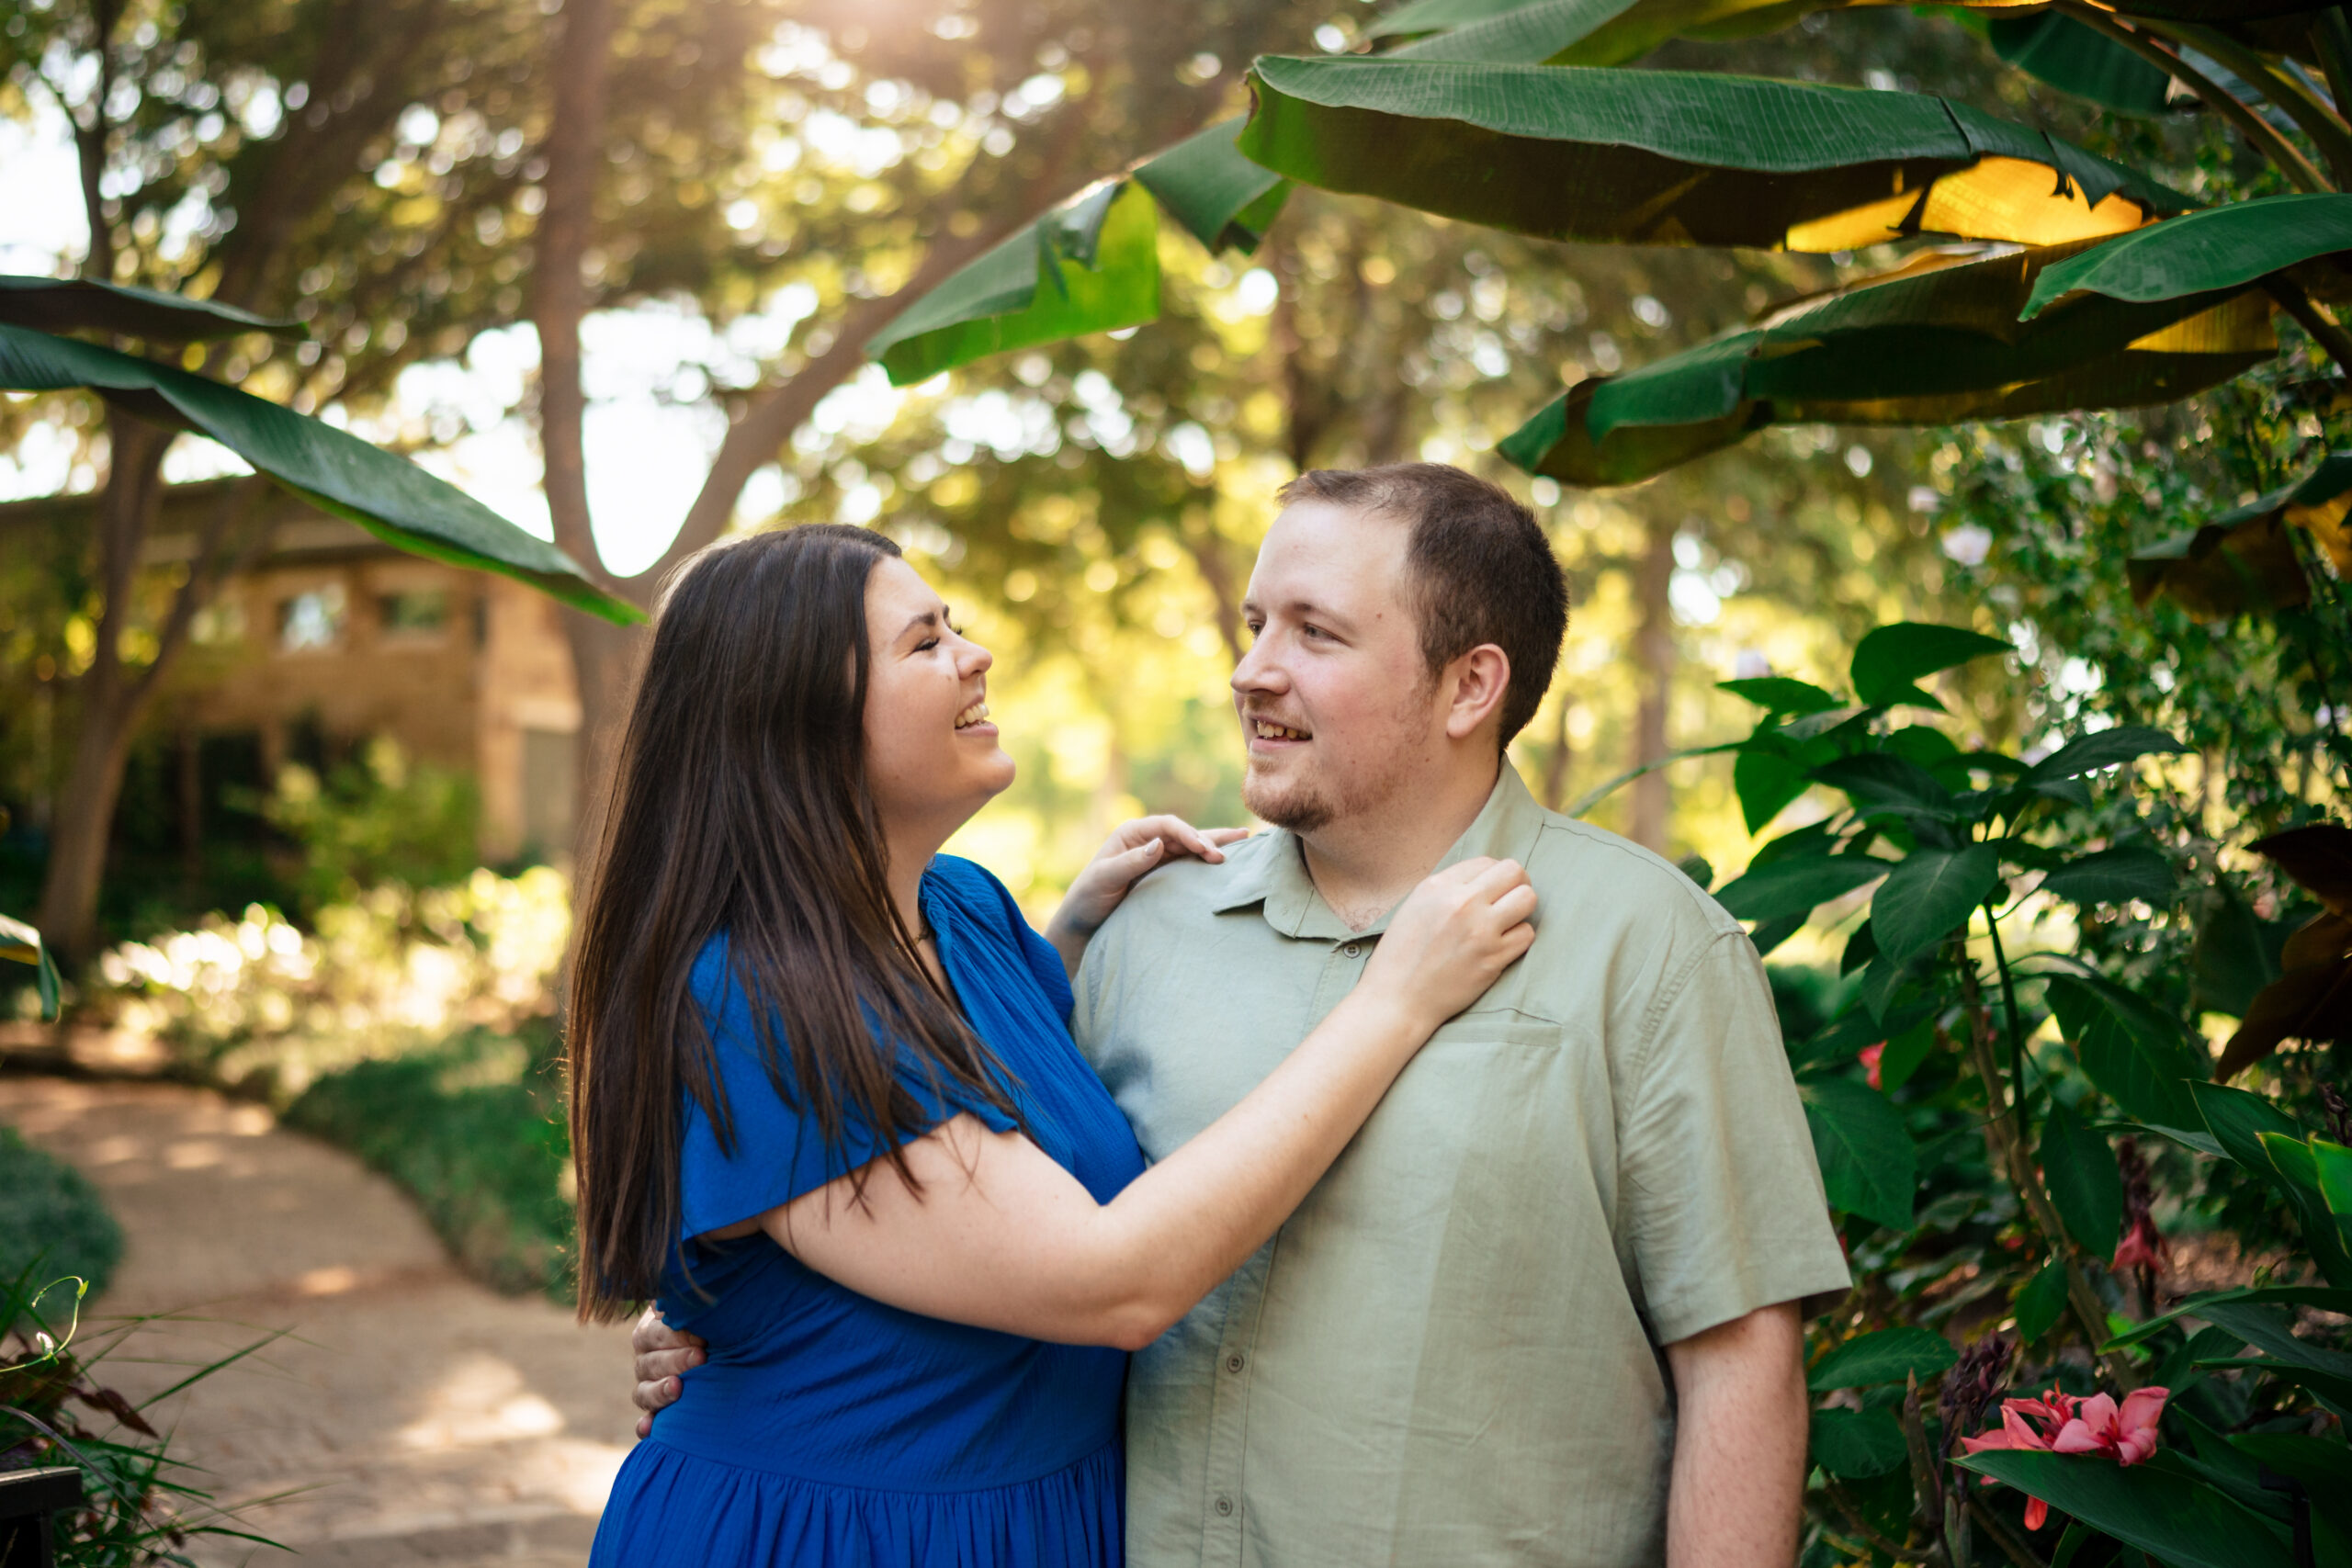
374,819
140,1504
52,1220
474,1129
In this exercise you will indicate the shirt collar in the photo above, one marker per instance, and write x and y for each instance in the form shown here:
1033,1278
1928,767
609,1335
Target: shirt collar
1506,828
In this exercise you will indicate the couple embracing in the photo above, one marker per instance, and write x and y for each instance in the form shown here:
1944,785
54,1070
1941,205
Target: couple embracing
1419,1182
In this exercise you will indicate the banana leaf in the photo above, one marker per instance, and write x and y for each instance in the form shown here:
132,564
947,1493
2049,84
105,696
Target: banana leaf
2221,247
73,305
2243,560
1090,266
23,943
1667,157
333,470
2073,58
1631,30
1938,342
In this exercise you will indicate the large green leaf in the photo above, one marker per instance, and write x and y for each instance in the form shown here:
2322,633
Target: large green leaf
1880,782
2084,1180
2319,1296
1765,782
2201,252
1929,895
2114,876
2102,748
2179,1521
1857,1442
1869,1165
1937,342
2075,58
1889,661
1659,157
1780,693
334,471
2140,1058
1890,1355
1091,265
1221,198
73,305
23,943
1792,886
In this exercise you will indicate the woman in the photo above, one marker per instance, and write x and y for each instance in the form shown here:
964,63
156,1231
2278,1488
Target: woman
827,1110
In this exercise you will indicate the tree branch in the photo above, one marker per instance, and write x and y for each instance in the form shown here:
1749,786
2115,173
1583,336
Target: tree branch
2325,130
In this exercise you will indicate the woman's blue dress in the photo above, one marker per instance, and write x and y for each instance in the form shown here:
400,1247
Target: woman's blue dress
828,1429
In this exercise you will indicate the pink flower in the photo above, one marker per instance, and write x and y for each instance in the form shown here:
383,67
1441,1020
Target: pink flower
2059,1423
2143,1247
1870,1059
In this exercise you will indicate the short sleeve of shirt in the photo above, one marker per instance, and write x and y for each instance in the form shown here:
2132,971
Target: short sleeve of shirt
779,1152
1723,1199
977,884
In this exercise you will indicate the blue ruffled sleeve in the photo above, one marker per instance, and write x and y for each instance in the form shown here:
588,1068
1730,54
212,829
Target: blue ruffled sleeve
779,1149
991,905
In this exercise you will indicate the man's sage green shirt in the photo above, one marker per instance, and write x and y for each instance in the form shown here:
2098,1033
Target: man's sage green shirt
1449,1356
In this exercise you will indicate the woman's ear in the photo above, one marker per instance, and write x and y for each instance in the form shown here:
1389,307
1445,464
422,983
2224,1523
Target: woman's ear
1477,680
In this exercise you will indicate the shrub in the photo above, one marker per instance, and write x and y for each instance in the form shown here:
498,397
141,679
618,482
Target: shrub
258,1004
375,820
474,1128
52,1218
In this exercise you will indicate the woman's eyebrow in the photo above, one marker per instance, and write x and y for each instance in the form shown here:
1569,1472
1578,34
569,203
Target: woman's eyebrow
928,618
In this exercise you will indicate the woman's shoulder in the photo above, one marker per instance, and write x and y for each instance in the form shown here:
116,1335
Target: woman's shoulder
974,892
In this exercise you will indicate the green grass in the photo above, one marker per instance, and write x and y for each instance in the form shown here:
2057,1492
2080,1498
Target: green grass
474,1129
50,1214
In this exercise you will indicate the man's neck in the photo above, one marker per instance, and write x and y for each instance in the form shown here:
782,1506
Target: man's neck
1364,865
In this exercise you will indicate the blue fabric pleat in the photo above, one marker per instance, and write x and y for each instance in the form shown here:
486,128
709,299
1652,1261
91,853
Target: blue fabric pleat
672,1509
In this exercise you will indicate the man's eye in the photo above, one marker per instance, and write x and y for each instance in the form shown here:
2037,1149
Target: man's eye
1311,629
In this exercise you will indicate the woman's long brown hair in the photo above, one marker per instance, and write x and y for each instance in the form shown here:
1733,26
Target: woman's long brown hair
740,805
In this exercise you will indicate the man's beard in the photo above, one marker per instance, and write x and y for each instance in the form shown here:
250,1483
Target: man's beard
1300,808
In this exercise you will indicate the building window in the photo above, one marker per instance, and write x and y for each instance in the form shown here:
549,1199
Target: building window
419,615
311,620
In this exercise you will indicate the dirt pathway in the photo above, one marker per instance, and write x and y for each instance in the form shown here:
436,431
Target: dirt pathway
421,1416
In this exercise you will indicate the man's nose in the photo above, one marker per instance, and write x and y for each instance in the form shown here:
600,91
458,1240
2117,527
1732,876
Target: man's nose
1258,670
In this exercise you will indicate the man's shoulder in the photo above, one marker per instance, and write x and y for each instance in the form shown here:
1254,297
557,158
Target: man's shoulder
1574,863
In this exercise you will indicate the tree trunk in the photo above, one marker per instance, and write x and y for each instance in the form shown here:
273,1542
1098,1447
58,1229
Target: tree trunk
111,701
1557,759
559,298
1652,804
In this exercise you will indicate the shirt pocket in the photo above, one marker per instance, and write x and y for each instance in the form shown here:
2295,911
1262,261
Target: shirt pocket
1498,1028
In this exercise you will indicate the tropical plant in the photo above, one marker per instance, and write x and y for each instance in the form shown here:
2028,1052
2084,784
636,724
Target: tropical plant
1965,1105
331,468
2075,282
138,1504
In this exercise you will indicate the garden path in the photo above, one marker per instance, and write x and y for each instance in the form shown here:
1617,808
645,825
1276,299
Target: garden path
423,1418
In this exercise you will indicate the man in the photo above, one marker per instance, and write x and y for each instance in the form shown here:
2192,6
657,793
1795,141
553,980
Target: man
1545,1308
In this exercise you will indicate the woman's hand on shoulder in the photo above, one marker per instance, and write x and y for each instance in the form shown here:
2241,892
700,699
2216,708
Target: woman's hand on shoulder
1452,938
1132,850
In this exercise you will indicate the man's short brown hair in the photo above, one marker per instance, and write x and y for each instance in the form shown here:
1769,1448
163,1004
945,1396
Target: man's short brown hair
1478,568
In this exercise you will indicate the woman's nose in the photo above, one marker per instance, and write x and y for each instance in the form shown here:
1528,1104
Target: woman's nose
976,660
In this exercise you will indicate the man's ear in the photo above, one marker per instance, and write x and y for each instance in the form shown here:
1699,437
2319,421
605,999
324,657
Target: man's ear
1477,682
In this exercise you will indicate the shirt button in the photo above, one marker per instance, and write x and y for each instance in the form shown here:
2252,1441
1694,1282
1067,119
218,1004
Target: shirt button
1233,1363
1225,1504
1350,951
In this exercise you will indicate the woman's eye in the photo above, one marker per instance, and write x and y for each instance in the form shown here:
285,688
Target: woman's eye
926,645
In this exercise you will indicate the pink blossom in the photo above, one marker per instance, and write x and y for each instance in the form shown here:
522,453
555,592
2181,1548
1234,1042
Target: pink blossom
2059,1423
2143,1247
1870,1060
